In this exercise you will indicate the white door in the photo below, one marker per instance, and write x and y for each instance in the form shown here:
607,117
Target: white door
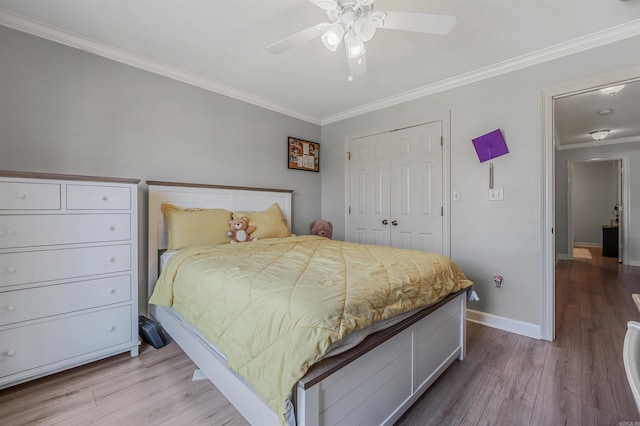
396,192
369,192
416,188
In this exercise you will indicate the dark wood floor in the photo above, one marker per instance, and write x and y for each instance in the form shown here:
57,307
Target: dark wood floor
506,379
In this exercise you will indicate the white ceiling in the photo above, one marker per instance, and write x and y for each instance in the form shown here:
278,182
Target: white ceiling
220,45
577,115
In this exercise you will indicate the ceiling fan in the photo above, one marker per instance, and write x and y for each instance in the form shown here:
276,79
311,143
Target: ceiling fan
356,22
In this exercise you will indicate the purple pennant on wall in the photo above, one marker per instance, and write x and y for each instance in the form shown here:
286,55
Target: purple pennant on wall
490,146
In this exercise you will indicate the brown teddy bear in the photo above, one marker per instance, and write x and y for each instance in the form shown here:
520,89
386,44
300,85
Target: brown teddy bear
240,231
322,228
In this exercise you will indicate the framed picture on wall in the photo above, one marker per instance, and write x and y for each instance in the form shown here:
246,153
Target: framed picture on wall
303,155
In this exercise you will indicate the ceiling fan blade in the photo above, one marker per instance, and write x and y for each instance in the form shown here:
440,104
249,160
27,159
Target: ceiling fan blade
419,22
297,38
357,65
325,4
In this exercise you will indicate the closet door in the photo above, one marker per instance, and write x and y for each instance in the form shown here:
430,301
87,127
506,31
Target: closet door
369,191
416,188
395,189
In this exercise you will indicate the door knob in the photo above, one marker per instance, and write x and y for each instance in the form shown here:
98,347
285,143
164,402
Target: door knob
385,222
394,223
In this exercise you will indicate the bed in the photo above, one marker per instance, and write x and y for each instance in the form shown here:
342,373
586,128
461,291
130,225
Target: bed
374,382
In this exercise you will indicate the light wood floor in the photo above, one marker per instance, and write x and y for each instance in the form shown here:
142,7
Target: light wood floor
506,379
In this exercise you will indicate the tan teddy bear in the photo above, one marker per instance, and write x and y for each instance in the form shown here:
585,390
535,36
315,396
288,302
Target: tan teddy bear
240,231
322,228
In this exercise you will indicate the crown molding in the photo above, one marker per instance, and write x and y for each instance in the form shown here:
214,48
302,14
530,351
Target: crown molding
600,38
57,35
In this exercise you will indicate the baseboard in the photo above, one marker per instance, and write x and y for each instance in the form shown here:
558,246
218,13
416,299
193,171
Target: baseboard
577,244
562,256
632,263
506,324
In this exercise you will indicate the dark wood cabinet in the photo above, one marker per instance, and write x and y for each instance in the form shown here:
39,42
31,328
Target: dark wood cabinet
609,241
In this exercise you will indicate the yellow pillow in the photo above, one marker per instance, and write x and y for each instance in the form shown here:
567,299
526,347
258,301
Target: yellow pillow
269,223
195,227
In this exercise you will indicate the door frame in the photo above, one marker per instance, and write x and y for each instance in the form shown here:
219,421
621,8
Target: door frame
445,120
548,259
623,181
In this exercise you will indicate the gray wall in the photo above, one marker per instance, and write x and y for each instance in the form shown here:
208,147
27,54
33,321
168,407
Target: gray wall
632,150
593,197
66,111
486,237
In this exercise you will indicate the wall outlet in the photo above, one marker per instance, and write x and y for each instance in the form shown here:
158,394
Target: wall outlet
496,194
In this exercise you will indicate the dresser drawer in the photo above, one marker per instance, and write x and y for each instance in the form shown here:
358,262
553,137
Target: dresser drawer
37,345
97,197
41,302
46,230
47,265
29,196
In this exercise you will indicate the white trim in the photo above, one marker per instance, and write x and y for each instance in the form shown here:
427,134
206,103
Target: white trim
446,184
562,256
506,324
599,38
547,290
445,119
48,32
634,263
569,201
547,231
581,244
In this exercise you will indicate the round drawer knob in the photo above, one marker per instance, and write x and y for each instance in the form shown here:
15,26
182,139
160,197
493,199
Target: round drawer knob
22,196
10,308
111,228
111,328
11,232
11,269
111,259
112,291
10,352
103,198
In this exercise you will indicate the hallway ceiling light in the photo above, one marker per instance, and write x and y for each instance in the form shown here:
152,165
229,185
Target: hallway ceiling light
605,112
599,134
612,90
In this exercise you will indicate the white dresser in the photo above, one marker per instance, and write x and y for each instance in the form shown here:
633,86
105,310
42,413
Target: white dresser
68,272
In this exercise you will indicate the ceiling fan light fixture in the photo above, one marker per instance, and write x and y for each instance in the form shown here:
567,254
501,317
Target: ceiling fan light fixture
599,134
332,37
612,90
354,45
364,28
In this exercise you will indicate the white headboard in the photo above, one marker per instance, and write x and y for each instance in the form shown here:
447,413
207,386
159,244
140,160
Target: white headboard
231,198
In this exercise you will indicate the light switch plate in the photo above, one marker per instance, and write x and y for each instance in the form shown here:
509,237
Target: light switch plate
496,194
457,195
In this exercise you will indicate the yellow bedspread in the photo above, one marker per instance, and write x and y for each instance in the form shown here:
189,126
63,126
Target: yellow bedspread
274,306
